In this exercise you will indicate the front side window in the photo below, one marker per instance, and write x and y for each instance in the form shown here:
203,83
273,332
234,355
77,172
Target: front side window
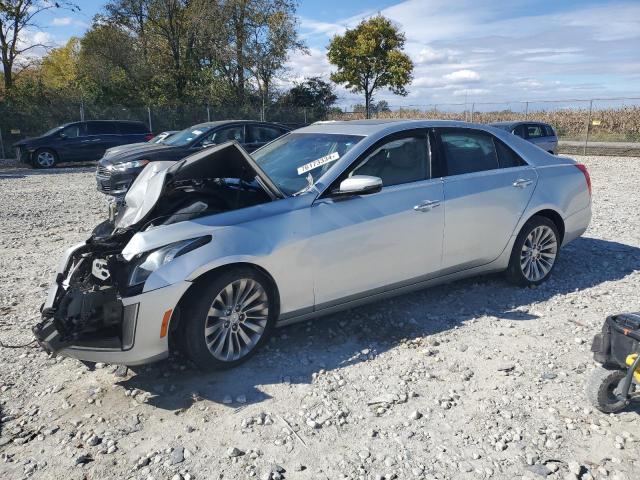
227,134
468,151
402,159
297,160
72,131
519,131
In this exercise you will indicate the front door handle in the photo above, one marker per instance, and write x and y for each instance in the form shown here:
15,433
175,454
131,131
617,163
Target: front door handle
426,205
522,183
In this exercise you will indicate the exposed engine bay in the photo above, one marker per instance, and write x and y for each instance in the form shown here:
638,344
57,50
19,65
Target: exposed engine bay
85,308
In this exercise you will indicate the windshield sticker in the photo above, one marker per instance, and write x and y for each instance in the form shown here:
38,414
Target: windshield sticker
332,157
197,132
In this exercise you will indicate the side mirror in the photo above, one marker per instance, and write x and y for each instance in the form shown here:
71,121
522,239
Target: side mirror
358,185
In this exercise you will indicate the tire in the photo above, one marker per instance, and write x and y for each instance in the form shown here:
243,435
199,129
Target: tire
233,337
535,252
45,158
600,390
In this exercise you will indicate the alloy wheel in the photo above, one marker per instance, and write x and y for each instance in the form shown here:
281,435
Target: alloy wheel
236,320
538,253
45,159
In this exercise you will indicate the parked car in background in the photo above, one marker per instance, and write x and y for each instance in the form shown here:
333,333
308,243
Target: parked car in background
119,167
538,133
79,141
211,252
162,136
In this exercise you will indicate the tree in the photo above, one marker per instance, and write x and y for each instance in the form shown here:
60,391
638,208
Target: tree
59,68
369,57
313,93
16,17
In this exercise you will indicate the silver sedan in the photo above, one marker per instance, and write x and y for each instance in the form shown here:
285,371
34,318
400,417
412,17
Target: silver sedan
211,252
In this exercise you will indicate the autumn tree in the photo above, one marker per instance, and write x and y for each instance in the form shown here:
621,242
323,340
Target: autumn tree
370,57
16,18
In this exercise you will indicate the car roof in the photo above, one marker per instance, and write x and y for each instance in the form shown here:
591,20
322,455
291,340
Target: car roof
517,122
218,123
373,126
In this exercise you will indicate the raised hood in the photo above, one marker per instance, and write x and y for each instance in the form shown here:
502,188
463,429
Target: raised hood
159,179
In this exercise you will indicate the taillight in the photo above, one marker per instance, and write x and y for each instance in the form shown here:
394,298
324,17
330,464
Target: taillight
585,172
148,137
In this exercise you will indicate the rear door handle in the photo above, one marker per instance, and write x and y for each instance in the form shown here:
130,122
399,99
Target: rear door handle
426,205
522,183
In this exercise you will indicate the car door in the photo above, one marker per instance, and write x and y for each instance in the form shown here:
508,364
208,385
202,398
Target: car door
69,142
369,243
259,135
487,187
221,135
100,136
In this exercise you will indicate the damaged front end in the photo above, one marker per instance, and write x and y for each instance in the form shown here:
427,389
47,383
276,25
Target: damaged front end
98,302
85,308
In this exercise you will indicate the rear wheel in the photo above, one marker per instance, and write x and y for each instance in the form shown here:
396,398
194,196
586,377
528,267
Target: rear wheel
229,319
535,252
45,158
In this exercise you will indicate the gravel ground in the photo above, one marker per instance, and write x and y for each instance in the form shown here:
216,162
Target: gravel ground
476,379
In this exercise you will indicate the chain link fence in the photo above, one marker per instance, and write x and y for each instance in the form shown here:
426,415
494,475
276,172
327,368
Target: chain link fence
33,120
597,126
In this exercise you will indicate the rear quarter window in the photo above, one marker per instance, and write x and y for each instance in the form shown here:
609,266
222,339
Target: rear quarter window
507,158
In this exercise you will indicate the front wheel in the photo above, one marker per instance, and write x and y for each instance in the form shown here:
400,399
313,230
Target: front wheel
535,252
229,319
45,158
602,390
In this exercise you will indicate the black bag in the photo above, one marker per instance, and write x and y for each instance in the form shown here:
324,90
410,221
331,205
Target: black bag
620,337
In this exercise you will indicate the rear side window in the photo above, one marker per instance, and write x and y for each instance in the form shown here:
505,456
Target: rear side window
468,151
549,131
101,128
507,158
262,133
127,128
535,131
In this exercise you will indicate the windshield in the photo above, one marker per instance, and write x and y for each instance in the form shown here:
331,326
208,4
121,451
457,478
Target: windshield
52,131
297,160
184,137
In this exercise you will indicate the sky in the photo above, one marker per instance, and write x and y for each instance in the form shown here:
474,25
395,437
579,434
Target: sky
466,50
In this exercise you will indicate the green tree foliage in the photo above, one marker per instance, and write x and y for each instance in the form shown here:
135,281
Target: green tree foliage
370,57
313,93
16,17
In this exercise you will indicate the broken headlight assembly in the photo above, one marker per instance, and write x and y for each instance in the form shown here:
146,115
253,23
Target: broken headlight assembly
151,261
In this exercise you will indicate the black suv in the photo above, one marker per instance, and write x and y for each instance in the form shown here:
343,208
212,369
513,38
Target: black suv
121,165
79,141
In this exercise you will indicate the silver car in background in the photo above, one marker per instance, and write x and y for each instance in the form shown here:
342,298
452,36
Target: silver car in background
539,133
210,253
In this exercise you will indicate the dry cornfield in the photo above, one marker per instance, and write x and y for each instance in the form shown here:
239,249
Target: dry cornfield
607,124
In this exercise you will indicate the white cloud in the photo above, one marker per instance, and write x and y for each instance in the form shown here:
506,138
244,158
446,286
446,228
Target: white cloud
61,21
462,76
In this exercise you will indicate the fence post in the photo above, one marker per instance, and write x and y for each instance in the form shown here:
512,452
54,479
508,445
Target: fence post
586,139
526,110
82,110
2,145
304,109
149,116
473,107
208,114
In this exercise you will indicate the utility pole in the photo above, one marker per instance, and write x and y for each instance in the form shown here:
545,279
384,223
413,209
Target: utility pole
586,139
